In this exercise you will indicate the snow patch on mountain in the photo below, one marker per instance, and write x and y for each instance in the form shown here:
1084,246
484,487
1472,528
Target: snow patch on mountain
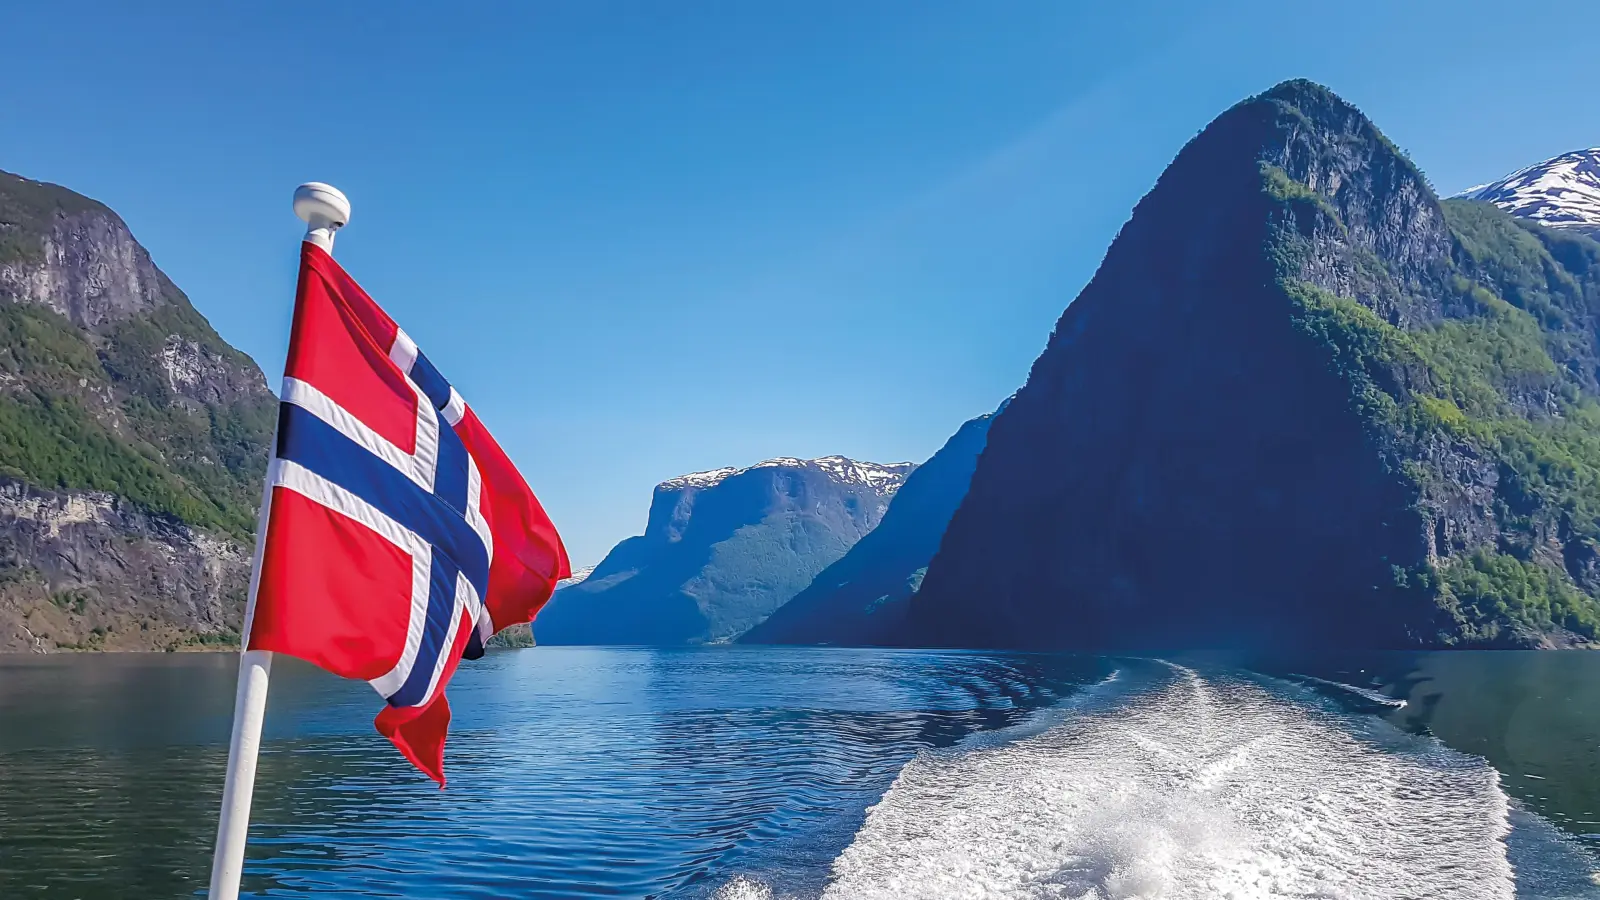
577,577
885,479
1561,192
697,479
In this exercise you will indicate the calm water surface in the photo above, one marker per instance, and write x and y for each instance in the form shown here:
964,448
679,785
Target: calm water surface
740,773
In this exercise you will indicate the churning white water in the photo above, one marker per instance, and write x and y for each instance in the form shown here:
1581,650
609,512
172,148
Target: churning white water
1176,785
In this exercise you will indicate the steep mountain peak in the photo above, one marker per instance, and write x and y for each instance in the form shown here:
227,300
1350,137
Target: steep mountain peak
74,256
1300,148
884,478
1561,192
1282,414
1308,96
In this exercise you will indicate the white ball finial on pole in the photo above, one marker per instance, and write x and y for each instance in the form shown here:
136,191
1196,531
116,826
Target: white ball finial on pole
324,208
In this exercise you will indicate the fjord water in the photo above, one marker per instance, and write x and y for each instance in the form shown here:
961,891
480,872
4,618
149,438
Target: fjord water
762,772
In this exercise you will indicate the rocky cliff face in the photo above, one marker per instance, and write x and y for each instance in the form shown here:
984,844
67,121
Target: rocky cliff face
85,570
862,598
1301,404
84,264
132,440
721,550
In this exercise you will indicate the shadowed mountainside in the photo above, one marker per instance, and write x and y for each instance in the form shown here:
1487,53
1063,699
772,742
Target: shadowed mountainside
861,599
1302,403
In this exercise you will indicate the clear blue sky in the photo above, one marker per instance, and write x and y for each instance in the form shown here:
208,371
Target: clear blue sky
647,238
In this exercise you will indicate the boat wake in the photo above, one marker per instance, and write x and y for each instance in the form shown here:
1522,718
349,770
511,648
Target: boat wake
1190,786
1376,697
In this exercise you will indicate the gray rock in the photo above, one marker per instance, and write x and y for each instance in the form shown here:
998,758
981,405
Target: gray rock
133,441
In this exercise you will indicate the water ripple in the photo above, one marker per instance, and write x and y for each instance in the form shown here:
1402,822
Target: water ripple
770,774
573,772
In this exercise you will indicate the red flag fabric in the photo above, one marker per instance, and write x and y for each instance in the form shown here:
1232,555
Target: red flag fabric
399,536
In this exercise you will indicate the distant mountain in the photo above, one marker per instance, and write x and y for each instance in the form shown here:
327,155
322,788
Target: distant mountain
721,550
520,636
133,440
1302,405
1561,192
577,577
861,599
513,637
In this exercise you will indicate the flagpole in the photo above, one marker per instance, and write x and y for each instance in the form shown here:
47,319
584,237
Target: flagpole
324,210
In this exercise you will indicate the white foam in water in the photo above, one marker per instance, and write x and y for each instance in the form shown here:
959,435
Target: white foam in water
1193,788
1377,697
743,889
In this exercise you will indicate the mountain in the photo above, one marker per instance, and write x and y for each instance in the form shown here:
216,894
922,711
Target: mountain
520,636
133,440
721,550
1302,404
1563,192
861,599
577,577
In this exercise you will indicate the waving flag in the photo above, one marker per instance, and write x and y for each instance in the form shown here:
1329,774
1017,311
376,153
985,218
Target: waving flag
400,537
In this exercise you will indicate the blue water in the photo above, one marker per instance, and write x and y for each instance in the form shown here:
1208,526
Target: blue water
742,774
572,772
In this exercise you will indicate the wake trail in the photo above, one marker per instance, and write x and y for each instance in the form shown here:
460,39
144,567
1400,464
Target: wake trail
1188,787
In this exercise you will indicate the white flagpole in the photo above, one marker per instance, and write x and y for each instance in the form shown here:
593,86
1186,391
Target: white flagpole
324,210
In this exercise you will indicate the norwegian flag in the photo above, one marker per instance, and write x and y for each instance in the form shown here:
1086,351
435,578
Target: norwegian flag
399,536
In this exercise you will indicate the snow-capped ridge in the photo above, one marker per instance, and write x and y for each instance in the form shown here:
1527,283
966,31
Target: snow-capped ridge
1561,192
577,577
884,478
697,479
